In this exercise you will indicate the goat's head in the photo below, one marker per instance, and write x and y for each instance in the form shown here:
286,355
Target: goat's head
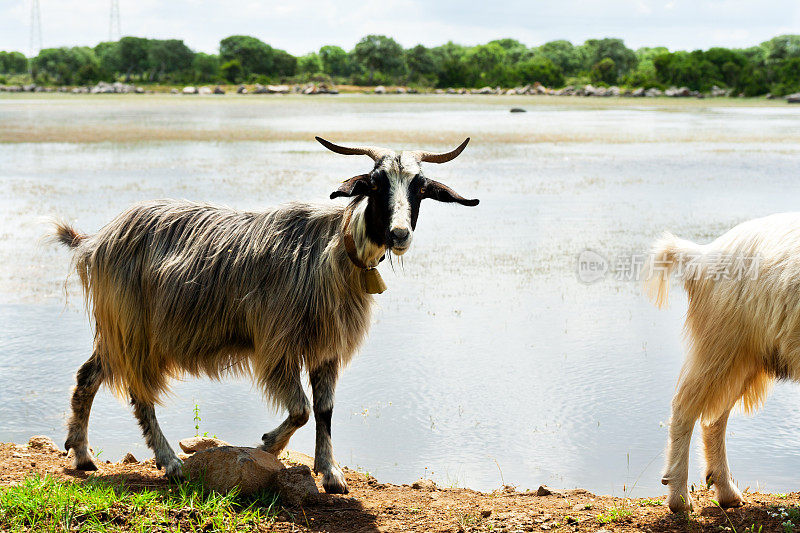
394,189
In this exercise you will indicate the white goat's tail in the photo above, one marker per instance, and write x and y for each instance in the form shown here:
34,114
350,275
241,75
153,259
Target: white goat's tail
666,253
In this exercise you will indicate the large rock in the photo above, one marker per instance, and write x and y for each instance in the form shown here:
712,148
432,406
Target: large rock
42,443
198,444
226,467
793,98
380,89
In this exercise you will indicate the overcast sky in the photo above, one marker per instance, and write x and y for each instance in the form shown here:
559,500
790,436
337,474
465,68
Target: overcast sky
300,26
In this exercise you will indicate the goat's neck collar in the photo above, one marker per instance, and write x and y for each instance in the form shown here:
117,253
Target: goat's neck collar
371,280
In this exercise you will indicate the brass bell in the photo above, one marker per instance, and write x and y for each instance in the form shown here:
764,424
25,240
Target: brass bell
373,282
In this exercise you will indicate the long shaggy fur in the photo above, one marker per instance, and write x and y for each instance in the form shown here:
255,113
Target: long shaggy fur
184,287
743,332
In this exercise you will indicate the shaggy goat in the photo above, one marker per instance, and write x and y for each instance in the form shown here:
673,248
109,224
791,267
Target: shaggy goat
743,328
179,287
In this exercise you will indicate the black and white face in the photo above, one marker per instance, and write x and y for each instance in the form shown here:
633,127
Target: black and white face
394,190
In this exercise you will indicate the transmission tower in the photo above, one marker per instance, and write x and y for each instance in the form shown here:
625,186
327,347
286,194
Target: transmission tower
35,43
114,31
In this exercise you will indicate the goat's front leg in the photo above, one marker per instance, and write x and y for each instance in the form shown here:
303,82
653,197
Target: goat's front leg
323,385
156,441
287,389
717,470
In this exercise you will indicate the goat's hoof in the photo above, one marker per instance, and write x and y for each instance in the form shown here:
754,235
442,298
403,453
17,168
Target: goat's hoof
730,497
680,503
86,465
174,471
334,482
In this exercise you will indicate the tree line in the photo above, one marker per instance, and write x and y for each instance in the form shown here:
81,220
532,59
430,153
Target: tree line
770,67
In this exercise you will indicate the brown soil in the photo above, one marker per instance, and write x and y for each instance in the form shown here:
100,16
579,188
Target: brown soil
375,506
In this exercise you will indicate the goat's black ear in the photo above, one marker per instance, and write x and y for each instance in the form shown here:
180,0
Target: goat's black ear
355,186
442,193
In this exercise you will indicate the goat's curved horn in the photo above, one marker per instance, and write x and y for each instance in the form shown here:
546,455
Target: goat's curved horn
373,151
431,157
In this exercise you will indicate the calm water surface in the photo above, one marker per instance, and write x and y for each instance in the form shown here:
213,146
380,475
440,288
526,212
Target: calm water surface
488,360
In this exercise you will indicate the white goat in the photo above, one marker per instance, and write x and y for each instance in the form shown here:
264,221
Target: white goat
743,332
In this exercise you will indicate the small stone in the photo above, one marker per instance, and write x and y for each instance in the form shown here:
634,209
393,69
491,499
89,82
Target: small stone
424,484
518,110
486,513
544,490
296,485
42,443
198,444
129,459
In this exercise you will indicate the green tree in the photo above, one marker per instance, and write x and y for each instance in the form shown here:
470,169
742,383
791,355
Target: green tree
13,63
110,56
170,56
335,61
487,65
133,56
452,65
786,76
421,64
309,64
604,71
378,54
568,58
781,48
515,50
595,50
541,69
205,67
232,71
254,56
283,63
66,65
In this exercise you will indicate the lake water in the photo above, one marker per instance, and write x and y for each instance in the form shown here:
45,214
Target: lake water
489,361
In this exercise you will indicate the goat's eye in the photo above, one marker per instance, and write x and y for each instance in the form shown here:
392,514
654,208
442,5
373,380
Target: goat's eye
422,190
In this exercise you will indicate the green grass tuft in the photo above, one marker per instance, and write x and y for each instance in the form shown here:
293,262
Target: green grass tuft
614,514
42,503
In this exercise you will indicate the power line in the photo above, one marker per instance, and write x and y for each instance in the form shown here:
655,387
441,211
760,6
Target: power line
113,22
35,42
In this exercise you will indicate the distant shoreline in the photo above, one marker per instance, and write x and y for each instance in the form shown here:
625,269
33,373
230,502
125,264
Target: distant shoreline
312,89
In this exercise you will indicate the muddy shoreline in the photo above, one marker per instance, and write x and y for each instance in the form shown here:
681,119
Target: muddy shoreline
422,506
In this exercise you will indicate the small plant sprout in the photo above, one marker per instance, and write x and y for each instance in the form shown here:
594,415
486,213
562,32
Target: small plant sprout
197,419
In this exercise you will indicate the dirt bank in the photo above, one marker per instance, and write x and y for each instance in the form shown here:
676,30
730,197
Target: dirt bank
375,506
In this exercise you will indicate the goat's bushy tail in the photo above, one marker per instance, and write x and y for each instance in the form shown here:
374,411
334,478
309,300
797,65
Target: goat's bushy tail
67,235
667,252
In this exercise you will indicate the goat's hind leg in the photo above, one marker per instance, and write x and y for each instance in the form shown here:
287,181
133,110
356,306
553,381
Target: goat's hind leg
323,384
717,470
286,388
89,379
685,413
165,455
